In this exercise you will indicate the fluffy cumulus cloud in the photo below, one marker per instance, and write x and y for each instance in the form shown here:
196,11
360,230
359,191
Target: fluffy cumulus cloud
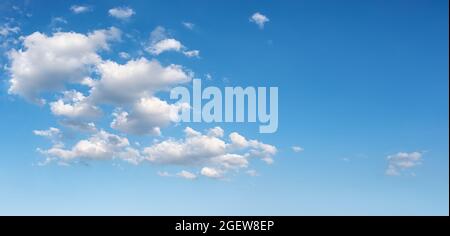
122,13
74,105
164,46
259,19
209,150
192,53
211,173
100,146
147,117
402,161
127,83
47,63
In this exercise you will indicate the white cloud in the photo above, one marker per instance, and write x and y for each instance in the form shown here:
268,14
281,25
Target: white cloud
77,9
297,149
231,161
257,149
50,133
100,146
121,13
186,175
194,149
402,161
147,117
47,63
211,173
188,25
198,149
128,83
74,105
192,53
160,41
259,19
164,46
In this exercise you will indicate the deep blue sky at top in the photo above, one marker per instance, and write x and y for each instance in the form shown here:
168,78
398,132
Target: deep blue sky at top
358,80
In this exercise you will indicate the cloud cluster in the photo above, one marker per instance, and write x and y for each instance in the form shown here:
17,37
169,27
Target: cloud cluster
74,105
53,63
209,151
66,71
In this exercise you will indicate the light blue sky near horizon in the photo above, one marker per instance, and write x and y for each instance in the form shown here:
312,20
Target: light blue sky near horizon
358,81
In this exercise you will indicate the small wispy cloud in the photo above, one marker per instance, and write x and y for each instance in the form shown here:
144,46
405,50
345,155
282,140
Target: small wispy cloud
192,53
124,55
186,175
252,173
78,9
188,25
297,149
6,30
164,174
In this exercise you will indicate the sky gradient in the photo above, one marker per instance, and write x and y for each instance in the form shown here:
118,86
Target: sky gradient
363,108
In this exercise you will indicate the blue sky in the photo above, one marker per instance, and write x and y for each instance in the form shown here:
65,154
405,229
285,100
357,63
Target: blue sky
363,90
